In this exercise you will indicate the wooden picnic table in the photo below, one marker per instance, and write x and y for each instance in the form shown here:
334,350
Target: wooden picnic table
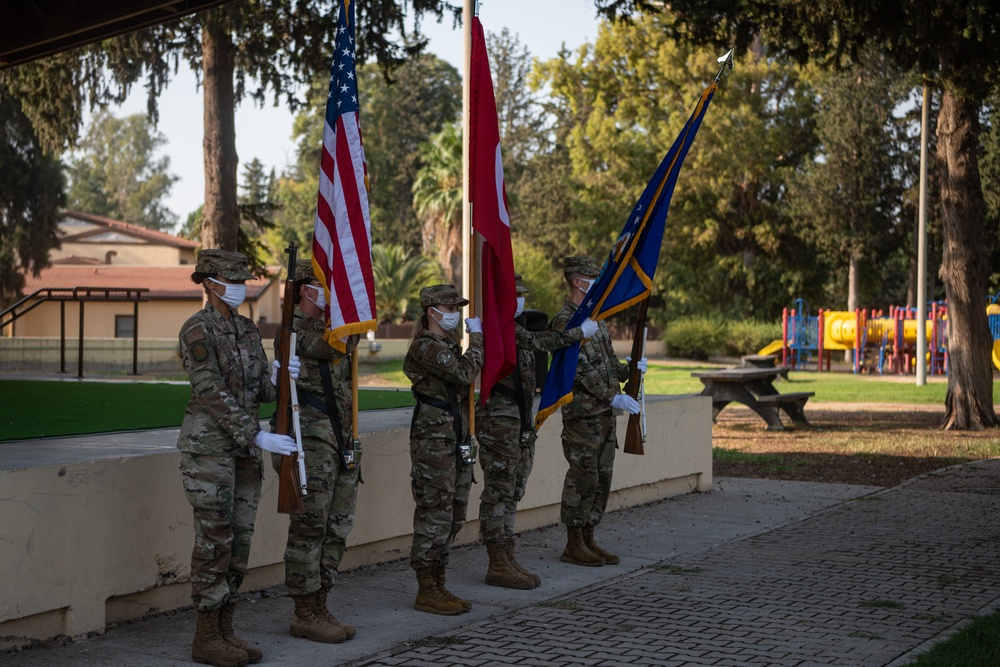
754,388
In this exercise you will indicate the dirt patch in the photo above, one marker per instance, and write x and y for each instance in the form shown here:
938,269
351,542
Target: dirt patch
876,444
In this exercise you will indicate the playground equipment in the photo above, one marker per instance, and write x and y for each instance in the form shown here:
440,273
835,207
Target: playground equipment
879,341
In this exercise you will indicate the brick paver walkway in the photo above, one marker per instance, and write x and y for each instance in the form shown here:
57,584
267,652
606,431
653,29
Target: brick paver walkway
863,583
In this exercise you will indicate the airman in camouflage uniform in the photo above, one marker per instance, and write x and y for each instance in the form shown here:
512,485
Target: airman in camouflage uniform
440,477
507,435
220,456
317,537
589,435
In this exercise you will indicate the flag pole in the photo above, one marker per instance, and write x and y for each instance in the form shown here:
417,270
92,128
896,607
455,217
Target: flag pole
468,233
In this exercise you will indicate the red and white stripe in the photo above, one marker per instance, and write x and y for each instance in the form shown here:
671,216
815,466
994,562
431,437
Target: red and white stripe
342,236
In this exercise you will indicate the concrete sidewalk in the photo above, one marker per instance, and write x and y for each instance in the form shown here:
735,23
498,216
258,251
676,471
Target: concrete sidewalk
755,572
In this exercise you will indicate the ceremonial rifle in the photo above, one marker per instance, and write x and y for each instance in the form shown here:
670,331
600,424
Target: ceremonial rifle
291,486
635,432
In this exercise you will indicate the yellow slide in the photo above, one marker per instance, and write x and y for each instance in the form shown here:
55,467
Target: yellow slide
775,346
996,353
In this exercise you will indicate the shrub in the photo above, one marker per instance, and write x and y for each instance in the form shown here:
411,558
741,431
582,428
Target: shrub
750,336
694,337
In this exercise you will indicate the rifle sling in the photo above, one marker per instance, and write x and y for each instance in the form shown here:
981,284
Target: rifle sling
453,408
516,396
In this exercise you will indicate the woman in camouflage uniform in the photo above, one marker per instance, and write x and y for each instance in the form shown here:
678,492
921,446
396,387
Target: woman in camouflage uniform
220,443
589,436
317,537
440,478
506,431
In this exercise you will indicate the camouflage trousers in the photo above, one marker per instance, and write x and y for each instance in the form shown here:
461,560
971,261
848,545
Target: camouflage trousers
506,459
224,492
589,447
441,494
317,537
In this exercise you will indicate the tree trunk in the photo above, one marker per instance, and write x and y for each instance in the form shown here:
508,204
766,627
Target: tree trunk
220,216
969,403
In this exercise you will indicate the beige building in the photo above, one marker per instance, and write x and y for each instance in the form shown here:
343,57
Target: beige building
94,239
101,254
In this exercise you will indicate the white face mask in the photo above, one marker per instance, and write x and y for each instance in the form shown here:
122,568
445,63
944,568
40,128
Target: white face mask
235,294
320,299
448,321
520,306
590,283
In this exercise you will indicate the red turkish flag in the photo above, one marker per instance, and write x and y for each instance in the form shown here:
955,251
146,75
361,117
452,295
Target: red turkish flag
488,195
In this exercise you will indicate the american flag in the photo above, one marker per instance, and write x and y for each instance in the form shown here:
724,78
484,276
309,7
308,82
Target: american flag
342,238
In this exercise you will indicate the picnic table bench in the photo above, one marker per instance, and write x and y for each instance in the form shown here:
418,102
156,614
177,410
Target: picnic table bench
754,388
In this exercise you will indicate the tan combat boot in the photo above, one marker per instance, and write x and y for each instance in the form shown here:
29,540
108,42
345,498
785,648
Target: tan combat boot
438,571
321,595
588,539
576,551
429,597
226,630
509,552
501,573
307,623
209,648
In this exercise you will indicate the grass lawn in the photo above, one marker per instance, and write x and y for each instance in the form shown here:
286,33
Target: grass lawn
31,409
975,645
829,387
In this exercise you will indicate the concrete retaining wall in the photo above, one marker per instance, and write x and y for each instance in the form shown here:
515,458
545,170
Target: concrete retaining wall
89,543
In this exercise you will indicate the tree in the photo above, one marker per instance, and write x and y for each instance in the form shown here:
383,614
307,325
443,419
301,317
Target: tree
397,117
437,198
117,173
850,198
955,44
399,277
279,45
729,243
32,192
257,207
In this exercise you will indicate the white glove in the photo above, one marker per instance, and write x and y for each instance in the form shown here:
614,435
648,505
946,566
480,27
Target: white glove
642,364
589,327
626,403
294,366
473,325
272,442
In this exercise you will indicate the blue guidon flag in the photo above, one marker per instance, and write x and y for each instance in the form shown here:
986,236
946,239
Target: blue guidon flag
627,275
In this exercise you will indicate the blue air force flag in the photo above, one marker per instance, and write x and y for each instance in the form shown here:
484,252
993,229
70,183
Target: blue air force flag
627,275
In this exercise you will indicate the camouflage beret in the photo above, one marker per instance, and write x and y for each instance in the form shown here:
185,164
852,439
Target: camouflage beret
588,266
230,265
304,270
521,289
437,295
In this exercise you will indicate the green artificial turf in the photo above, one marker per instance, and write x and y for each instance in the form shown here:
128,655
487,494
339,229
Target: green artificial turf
36,409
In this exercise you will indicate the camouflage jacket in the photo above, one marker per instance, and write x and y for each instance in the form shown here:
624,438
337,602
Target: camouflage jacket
313,351
599,374
431,363
230,378
500,403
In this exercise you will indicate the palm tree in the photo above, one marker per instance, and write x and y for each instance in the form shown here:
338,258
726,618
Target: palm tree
437,199
398,279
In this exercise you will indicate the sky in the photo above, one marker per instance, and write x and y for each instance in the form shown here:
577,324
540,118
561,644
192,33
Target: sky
543,26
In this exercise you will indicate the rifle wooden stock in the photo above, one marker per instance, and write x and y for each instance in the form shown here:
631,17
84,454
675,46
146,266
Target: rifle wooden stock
289,500
634,439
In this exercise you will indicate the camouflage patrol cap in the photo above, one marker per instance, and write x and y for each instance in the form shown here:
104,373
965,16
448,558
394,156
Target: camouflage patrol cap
521,289
230,265
437,295
588,266
304,270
